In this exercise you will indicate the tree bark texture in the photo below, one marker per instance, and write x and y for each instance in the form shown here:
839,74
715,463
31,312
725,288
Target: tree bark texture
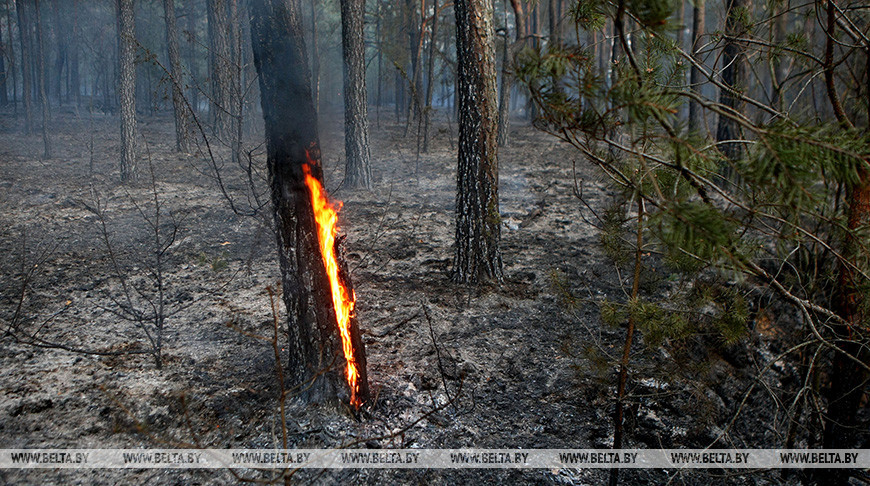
220,65
127,89
478,223
696,113
43,97
179,107
4,96
504,105
26,56
734,72
430,73
291,143
358,171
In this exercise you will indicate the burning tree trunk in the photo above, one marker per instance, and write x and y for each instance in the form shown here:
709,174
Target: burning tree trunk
478,223
127,89
358,172
317,292
178,105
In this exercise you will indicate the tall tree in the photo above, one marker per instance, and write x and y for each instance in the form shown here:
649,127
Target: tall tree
220,60
695,112
478,223
510,50
734,74
62,42
26,56
293,152
430,73
182,142
358,172
40,59
4,96
10,53
127,88
849,375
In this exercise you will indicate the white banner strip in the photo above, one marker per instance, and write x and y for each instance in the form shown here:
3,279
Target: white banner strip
433,458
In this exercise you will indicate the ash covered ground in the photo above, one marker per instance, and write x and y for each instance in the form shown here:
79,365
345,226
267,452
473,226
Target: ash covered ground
488,367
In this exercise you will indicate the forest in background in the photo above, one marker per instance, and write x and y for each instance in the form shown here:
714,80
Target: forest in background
663,205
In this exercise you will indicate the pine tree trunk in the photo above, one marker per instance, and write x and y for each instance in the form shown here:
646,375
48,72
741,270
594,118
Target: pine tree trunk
291,143
40,59
315,57
504,106
26,55
12,63
219,63
430,75
358,171
734,71
75,81
182,143
4,96
236,99
62,40
696,113
127,89
478,223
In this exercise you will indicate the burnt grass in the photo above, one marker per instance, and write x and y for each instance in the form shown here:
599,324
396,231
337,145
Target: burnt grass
522,365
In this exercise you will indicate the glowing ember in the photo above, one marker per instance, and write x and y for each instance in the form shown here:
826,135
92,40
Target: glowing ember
326,217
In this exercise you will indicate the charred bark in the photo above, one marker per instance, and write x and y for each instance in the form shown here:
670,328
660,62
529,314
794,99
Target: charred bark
127,89
478,223
292,142
358,172
182,143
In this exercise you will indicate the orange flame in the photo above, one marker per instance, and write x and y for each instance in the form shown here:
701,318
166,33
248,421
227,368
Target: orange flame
326,218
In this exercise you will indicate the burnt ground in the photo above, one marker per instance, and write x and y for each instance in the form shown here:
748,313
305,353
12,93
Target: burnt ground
514,358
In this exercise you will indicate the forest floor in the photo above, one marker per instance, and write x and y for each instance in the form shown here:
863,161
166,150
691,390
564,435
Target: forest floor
515,360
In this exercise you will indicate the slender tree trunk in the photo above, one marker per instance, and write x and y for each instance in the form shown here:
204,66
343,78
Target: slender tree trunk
127,89
40,58
849,380
504,106
4,95
733,78
75,82
696,113
315,57
182,142
778,72
235,100
478,222
430,73
192,58
12,63
358,172
379,44
293,150
62,41
220,64
26,55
